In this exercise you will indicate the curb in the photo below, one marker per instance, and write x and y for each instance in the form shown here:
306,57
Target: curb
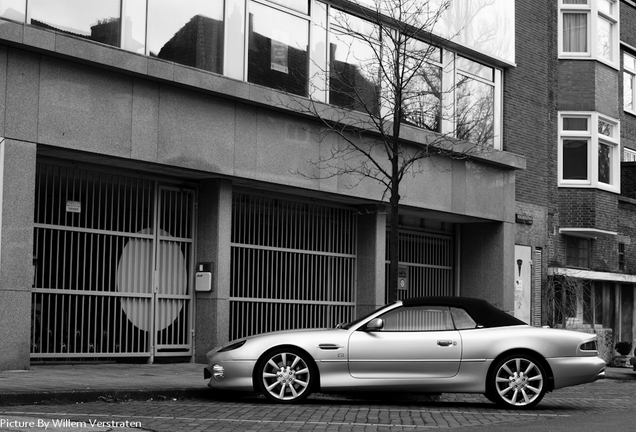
112,396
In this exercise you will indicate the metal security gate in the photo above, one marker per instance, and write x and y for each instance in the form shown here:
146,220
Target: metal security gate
426,261
112,266
293,265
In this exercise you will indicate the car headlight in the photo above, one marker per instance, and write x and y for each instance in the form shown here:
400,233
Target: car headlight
232,346
218,372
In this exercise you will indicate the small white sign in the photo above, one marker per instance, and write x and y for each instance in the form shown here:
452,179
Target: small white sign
74,206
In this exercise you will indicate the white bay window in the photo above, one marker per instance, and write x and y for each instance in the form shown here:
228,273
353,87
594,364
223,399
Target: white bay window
588,29
589,151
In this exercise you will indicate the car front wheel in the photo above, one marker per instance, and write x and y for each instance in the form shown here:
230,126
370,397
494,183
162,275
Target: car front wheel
285,375
517,381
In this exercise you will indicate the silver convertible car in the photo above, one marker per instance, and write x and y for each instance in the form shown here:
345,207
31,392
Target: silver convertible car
420,345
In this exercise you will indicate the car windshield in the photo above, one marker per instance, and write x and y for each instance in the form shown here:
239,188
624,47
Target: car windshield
348,325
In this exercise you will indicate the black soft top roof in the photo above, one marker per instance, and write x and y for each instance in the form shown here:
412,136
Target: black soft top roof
480,310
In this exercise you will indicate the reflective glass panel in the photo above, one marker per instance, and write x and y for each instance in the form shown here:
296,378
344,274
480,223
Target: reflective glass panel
474,68
13,9
298,5
97,20
134,26
354,64
577,254
423,99
604,39
278,44
425,318
575,123
604,163
605,128
606,6
575,32
575,159
475,111
188,32
628,91
629,62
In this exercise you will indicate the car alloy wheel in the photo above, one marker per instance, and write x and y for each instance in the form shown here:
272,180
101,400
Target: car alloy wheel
518,381
286,375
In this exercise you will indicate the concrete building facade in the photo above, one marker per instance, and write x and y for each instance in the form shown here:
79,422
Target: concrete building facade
152,205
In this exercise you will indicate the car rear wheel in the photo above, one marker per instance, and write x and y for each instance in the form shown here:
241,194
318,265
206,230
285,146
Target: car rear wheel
286,375
517,381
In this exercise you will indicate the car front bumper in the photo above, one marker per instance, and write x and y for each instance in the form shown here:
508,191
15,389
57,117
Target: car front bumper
236,375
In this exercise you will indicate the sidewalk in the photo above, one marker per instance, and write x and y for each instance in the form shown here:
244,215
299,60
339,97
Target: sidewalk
114,381
108,381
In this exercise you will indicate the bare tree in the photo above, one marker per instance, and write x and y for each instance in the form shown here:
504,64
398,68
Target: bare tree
565,302
385,71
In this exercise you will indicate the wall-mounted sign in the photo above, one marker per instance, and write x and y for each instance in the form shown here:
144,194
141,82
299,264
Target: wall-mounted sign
525,219
73,206
403,278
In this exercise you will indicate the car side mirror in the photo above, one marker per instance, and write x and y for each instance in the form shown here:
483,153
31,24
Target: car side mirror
374,325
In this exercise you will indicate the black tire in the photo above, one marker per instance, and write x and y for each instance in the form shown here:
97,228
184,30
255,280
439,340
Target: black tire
517,381
285,375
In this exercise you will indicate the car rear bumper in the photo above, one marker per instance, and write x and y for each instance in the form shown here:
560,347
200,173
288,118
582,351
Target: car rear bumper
569,371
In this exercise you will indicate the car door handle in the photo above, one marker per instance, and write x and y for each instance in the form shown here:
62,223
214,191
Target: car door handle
446,343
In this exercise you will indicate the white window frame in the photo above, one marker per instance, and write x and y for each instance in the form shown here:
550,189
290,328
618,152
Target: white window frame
595,139
594,13
451,77
628,60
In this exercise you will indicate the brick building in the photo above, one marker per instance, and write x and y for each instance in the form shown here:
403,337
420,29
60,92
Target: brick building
574,202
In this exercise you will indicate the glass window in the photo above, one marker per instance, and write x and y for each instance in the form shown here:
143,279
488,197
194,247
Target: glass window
589,151
188,32
354,63
278,44
604,163
577,252
604,35
628,92
575,161
301,6
575,124
589,29
134,26
475,102
629,72
575,32
462,319
13,9
97,20
424,318
422,98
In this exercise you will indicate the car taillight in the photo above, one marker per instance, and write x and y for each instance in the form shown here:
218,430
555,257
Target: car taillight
589,346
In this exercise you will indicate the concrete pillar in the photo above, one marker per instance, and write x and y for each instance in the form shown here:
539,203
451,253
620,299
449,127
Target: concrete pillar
488,263
213,245
371,261
17,188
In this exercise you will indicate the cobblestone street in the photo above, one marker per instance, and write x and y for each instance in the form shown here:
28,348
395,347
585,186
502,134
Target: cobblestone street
331,413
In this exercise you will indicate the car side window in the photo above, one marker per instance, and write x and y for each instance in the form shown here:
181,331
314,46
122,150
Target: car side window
421,318
462,320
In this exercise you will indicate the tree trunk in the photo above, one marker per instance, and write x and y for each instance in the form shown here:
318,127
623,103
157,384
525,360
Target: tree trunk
394,235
